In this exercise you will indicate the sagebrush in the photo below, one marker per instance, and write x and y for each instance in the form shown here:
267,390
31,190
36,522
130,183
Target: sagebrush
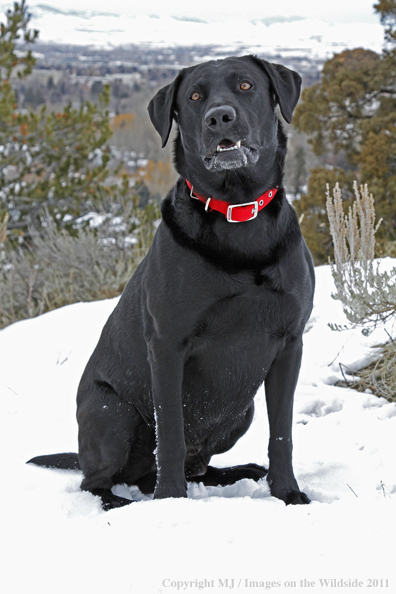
368,294
60,268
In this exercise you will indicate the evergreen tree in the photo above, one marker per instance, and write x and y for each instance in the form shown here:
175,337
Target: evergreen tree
387,12
53,169
353,110
52,161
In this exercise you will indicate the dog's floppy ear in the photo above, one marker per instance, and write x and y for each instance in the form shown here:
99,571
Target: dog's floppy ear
286,84
161,109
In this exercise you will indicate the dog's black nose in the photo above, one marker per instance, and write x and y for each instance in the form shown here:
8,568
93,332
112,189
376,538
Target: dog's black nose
220,118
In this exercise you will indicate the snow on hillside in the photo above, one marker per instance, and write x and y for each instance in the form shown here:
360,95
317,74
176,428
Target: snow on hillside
57,539
317,33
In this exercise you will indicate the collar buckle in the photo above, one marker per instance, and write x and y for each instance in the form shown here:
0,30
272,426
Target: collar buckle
207,201
242,206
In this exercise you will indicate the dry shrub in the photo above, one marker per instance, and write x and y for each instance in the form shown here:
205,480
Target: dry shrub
368,295
62,268
353,234
379,377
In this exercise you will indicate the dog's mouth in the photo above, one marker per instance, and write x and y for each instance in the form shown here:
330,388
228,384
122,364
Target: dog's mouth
230,154
228,145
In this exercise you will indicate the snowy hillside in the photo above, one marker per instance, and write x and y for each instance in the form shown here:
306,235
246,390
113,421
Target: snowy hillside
298,30
56,539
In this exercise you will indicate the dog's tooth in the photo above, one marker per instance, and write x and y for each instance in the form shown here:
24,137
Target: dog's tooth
235,146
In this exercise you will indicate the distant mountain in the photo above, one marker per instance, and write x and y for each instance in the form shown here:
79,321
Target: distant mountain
41,9
286,35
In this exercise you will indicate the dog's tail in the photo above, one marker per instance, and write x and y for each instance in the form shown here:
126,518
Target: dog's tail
67,461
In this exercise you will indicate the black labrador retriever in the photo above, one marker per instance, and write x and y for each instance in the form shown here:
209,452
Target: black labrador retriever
217,307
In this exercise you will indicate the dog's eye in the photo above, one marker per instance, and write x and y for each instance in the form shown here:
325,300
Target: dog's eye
245,86
195,96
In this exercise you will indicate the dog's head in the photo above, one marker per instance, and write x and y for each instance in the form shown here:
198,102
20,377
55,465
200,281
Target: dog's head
225,110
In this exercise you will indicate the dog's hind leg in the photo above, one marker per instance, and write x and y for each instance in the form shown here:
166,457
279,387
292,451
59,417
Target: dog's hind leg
107,427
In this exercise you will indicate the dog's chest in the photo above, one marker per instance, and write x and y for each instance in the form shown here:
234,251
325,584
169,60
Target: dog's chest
232,349
246,320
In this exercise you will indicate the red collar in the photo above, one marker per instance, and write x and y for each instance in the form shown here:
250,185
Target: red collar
235,213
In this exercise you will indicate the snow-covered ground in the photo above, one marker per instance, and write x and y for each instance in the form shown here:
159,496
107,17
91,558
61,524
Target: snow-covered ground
57,539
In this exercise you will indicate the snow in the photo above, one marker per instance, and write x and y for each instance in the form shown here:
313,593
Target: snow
58,539
310,29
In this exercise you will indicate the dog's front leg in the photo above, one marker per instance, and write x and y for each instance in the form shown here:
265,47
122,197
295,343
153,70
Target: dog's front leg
167,377
280,385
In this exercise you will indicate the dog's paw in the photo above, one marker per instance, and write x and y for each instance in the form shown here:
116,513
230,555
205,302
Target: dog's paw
297,498
285,487
253,471
109,500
